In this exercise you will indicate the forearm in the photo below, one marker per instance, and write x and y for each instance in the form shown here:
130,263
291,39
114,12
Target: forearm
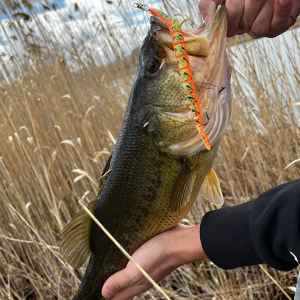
264,230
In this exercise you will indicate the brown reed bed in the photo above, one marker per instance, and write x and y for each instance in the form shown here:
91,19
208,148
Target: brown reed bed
61,109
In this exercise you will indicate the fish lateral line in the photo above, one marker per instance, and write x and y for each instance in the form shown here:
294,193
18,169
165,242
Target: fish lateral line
183,63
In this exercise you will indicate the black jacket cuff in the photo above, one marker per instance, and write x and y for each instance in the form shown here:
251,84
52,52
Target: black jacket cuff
226,238
264,230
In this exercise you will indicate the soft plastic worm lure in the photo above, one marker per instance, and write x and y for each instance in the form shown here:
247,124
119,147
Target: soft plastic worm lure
184,67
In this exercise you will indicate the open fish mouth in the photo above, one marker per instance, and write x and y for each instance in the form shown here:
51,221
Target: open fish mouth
211,72
196,44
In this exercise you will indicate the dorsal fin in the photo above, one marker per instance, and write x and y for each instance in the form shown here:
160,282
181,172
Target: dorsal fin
75,238
182,188
211,190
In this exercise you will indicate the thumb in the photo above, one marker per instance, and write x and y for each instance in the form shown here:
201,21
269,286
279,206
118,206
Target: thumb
207,9
115,283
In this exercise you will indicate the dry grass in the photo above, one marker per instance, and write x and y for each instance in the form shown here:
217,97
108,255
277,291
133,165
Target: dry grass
59,116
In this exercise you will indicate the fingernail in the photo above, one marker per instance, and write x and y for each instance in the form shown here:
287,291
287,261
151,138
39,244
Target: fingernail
107,293
284,2
207,19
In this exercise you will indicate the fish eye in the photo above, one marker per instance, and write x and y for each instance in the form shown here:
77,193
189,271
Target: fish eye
152,66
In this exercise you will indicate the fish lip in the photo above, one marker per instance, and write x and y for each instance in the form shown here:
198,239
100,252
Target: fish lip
197,41
195,44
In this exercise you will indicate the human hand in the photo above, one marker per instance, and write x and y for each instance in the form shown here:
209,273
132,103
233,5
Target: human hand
158,257
258,18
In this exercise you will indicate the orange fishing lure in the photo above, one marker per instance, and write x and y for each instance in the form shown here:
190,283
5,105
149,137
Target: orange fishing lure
184,67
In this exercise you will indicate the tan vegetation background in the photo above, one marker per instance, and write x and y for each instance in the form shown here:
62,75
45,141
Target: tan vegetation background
61,109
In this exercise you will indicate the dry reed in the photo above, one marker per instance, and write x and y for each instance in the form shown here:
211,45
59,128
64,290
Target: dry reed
61,108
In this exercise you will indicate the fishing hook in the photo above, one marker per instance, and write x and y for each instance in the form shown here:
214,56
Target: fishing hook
201,86
207,119
219,89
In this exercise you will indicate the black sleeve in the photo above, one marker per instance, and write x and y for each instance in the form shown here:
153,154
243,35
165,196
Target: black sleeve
264,230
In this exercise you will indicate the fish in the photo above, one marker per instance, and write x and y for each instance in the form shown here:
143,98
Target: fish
159,164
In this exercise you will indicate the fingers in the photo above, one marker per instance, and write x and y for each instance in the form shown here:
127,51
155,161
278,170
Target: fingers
259,18
262,23
129,293
250,13
115,284
294,13
235,10
281,17
207,9
124,284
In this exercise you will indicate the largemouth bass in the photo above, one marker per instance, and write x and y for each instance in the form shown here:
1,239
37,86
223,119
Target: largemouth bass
159,164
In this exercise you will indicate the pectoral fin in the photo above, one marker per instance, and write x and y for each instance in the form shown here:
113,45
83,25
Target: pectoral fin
211,189
75,238
182,189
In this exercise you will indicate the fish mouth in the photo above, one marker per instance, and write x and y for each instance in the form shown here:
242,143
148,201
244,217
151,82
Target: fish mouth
197,41
196,45
211,73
